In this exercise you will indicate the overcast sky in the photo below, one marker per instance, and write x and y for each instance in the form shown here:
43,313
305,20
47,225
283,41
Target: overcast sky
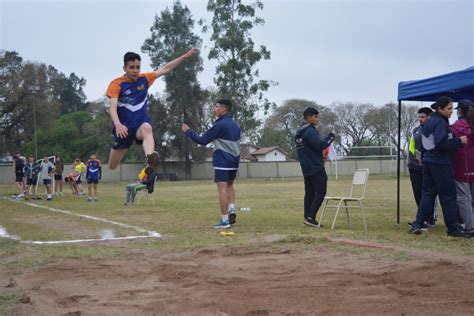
324,51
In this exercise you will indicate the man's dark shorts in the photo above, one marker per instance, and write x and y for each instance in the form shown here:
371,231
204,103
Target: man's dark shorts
19,177
92,181
224,175
123,143
31,181
58,177
46,181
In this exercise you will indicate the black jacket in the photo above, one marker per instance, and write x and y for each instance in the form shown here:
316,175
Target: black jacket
309,147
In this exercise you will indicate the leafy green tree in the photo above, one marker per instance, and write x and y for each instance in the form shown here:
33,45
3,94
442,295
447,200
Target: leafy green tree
72,95
237,56
74,136
171,36
29,92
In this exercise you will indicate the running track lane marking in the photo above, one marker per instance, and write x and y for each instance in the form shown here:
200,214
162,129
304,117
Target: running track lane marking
150,233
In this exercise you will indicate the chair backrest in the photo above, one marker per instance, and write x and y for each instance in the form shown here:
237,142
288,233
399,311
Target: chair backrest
360,181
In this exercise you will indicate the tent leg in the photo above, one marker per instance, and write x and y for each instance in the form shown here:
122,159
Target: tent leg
398,158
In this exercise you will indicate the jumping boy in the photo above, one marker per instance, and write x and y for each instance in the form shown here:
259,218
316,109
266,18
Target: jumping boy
93,175
128,97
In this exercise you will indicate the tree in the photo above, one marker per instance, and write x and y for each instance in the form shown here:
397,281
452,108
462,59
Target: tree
171,36
74,135
351,124
72,96
237,57
30,90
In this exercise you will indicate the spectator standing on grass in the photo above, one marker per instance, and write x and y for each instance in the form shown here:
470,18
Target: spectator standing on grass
93,175
225,135
47,170
463,162
309,147
19,170
32,169
146,180
58,176
414,160
438,176
79,168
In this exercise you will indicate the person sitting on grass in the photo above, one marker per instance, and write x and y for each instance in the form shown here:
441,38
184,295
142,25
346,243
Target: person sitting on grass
146,180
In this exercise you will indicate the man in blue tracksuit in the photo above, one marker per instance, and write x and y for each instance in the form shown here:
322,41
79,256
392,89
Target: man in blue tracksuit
225,135
310,153
438,176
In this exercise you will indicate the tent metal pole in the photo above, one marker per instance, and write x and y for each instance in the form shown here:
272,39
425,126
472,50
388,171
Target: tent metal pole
398,158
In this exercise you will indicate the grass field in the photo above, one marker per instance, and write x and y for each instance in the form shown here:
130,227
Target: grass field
185,212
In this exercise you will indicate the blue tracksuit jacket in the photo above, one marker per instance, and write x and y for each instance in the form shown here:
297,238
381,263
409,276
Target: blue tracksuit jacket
225,135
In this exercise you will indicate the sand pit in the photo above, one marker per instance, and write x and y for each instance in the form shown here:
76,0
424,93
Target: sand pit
264,280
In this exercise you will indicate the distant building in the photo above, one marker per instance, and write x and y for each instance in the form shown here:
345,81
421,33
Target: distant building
272,153
252,153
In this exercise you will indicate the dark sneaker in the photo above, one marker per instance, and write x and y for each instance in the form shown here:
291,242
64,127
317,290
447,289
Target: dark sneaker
232,216
311,222
415,230
431,223
460,233
152,161
423,227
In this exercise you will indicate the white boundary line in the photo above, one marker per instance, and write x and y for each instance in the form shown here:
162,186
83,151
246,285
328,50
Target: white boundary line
150,233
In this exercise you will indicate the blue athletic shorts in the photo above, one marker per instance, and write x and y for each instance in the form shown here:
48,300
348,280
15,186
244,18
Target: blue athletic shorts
224,175
92,181
46,181
123,143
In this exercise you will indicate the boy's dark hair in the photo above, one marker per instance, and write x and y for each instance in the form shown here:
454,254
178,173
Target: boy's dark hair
130,56
425,110
441,103
225,102
310,112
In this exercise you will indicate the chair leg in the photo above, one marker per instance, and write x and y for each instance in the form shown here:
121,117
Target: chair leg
335,216
347,215
363,216
139,198
322,212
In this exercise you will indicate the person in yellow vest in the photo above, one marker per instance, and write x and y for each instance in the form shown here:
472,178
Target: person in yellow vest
79,168
146,180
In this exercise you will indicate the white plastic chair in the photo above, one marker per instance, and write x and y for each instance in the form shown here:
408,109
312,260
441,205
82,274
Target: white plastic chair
149,196
360,179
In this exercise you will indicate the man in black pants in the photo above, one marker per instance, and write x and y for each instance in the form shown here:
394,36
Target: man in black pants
414,159
310,153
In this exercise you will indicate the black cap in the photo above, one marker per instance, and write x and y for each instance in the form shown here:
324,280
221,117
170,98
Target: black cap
465,104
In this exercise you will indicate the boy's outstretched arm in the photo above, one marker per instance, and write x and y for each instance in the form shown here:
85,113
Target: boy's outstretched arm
166,69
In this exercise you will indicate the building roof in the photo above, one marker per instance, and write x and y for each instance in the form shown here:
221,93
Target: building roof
266,150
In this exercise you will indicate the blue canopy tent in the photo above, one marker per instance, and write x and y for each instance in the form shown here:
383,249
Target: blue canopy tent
457,85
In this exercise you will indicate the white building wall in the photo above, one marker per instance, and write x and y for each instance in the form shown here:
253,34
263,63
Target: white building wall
274,155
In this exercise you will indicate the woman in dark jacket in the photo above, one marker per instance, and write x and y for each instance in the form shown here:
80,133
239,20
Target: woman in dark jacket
438,176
